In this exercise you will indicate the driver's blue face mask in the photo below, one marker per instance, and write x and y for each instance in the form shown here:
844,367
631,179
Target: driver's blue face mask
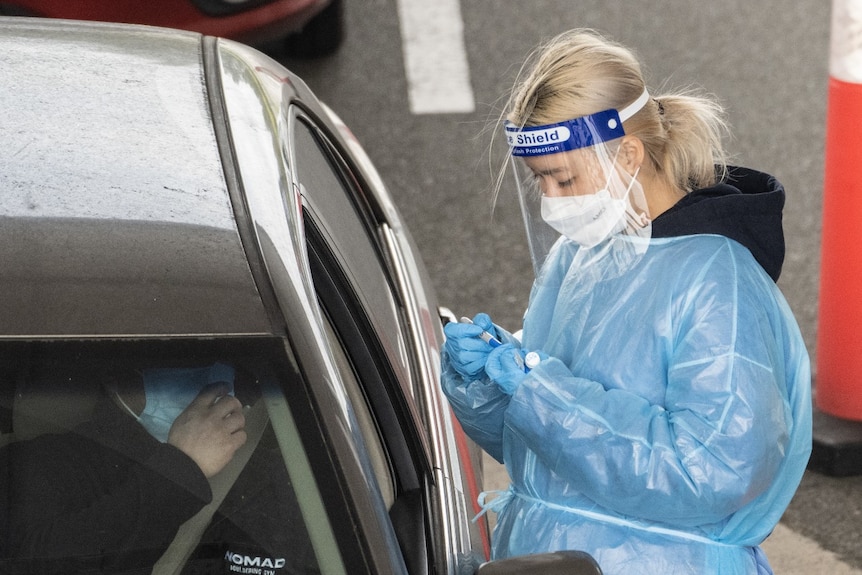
169,391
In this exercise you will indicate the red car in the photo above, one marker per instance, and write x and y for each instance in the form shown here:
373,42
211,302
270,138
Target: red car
302,28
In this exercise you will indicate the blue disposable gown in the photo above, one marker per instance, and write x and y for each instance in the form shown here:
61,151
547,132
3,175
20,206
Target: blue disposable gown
671,425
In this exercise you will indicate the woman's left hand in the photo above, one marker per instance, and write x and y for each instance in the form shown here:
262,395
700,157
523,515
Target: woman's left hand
505,367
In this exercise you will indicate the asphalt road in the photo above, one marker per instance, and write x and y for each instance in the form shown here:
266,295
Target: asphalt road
766,61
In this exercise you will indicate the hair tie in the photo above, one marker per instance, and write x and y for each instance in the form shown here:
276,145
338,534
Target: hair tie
660,107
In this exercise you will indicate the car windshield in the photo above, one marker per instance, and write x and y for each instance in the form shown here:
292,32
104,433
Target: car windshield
88,485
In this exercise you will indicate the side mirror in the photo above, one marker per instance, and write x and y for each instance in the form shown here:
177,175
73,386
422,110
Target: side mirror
556,563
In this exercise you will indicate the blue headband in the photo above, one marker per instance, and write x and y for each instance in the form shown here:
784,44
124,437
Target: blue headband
571,134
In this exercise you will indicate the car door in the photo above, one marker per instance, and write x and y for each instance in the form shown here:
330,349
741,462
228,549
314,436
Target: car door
368,284
330,239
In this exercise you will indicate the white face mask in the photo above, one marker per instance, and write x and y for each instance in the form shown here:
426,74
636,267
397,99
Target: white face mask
587,220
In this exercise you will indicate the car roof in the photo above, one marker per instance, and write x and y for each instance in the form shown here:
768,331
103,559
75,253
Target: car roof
116,218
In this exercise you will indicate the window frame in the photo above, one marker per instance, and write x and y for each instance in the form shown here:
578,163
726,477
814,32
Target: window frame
396,419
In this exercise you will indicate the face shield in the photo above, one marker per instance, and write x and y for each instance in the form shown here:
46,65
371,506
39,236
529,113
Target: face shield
572,187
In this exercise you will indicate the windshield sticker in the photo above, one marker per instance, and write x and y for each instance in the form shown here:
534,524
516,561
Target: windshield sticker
253,564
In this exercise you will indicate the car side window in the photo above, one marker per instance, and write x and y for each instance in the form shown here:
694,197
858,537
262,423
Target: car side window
355,294
365,419
367,330
346,225
87,484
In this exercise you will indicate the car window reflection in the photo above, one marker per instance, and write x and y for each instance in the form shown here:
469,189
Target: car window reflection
86,487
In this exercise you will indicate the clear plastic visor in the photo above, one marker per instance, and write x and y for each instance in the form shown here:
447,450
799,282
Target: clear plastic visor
573,189
583,195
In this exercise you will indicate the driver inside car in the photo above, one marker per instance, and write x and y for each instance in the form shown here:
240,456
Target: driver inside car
111,495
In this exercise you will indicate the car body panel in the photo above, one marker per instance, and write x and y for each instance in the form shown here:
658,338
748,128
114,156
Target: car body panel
256,89
210,225
169,195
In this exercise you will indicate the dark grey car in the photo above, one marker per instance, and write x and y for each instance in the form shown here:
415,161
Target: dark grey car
174,203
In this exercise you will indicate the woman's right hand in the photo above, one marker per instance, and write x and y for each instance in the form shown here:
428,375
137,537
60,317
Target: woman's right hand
467,351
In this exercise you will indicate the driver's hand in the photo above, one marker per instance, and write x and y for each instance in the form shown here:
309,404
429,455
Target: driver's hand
211,429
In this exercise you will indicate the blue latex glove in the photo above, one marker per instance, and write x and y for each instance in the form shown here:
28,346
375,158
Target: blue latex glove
467,351
505,367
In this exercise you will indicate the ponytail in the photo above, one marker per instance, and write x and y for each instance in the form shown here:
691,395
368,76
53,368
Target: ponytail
683,136
580,72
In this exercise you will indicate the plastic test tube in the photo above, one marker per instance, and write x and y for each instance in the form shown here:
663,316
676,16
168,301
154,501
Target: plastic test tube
531,360
492,341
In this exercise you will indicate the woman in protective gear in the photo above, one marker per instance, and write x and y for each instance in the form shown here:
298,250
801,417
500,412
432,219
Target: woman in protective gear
666,423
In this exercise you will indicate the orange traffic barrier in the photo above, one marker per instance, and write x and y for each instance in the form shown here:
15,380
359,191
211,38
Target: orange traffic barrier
839,335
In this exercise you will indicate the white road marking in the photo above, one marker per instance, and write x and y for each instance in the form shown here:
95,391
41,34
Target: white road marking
435,59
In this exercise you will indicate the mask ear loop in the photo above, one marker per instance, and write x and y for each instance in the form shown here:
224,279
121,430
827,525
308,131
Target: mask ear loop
624,115
610,170
639,219
123,403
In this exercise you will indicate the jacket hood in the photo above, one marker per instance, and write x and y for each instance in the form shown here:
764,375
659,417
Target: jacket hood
746,207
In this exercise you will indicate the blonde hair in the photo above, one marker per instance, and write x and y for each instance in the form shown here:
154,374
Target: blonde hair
581,72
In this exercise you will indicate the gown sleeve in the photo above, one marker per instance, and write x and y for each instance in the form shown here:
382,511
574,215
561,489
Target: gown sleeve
479,404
